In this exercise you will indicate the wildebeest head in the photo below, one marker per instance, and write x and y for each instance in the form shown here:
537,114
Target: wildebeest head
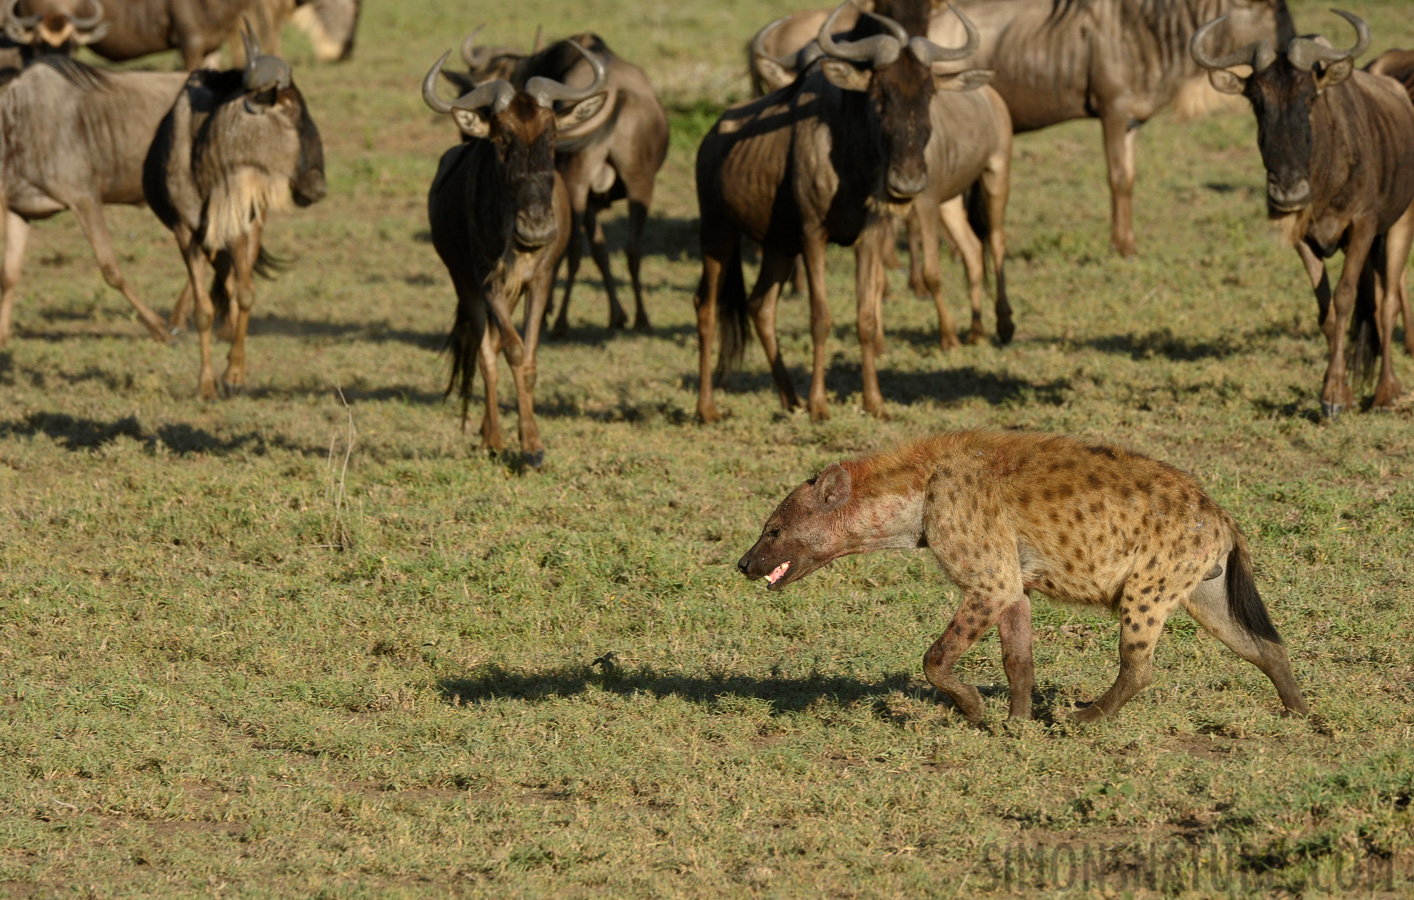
804,533
522,126
277,106
896,71
1282,89
57,29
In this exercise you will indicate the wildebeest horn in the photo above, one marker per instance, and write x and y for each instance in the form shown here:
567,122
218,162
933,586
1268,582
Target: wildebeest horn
91,21
795,63
1258,54
880,49
927,52
20,29
539,39
495,94
548,90
249,41
1305,52
471,54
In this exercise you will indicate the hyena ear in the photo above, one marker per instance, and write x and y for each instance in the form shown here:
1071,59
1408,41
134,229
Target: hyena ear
832,487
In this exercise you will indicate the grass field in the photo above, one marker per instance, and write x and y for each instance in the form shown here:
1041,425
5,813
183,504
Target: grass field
284,646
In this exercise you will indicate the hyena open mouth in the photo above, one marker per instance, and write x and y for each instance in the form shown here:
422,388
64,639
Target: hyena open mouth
778,573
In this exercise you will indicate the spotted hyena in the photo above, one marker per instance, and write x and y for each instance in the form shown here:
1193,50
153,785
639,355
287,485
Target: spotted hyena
1008,513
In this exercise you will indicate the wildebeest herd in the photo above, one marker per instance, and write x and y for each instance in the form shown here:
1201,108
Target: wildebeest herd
876,116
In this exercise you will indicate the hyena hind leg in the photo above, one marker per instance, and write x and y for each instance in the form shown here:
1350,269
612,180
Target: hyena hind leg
1209,607
1142,615
1014,629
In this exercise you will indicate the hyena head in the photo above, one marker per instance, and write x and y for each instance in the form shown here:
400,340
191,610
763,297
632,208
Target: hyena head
804,533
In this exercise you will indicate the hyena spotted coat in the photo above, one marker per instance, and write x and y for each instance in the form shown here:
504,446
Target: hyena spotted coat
1008,513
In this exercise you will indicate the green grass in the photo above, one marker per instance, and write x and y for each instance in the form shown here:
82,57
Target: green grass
230,666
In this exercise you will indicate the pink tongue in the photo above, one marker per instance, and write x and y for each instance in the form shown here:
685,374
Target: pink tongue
777,572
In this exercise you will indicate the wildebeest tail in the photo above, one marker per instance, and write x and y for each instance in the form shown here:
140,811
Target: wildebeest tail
1363,344
464,344
731,316
268,265
1243,601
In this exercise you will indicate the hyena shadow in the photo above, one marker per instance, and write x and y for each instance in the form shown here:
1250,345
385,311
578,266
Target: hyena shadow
783,694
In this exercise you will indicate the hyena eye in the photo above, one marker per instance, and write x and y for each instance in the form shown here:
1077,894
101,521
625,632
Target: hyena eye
773,533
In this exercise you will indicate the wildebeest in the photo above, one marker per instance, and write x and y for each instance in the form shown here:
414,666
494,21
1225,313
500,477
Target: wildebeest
329,24
235,145
868,130
1120,61
500,215
612,155
54,31
1399,65
1338,147
136,28
1008,513
75,138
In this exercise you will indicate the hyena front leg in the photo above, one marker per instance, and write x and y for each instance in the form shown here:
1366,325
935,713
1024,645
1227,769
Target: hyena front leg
981,608
1144,607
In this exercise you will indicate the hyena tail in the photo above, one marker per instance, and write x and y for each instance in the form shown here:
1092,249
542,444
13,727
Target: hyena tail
1243,601
732,310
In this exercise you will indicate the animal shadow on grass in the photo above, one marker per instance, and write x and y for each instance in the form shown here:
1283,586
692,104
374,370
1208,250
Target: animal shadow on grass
946,385
376,332
1163,342
81,434
785,695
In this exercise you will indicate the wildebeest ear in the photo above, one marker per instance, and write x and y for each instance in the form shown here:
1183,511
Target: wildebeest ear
845,76
1225,82
1333,74
970,80
472,122
462,82
581,111
832,487
772,73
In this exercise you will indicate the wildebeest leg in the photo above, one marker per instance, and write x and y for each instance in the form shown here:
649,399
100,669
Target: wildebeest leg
574,251
1014,629
181,311
1336,394
1208,605
195,258
775,269
637,219
90,216
889,257
814,255
708,290
491,378
514,349
16,233
916,280
1397,243
869,275
599,249
1119,157
996,190
960,235
243,251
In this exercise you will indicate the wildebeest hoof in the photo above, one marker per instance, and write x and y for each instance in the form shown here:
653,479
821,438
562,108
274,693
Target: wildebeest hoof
1005,330
1085,715
641,324
232,390
1331,411
533,458
976,336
